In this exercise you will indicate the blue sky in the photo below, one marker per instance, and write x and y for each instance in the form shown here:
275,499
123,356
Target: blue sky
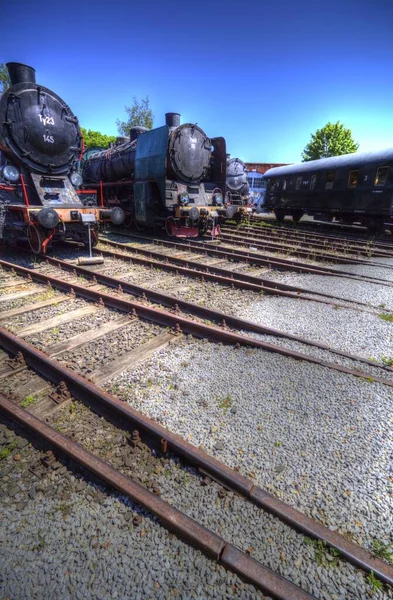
264,75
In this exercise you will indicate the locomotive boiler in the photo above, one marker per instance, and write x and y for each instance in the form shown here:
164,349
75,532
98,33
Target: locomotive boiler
172,176
40,142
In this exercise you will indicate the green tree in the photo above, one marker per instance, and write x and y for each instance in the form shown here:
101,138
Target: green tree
139,114
94,139
332,140
5,81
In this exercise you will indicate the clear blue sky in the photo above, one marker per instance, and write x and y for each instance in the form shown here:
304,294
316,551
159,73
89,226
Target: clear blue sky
265,75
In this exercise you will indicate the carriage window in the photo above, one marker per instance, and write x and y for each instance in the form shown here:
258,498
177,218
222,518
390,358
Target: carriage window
313,181
329,180
353,179
382,175
284,184
298,183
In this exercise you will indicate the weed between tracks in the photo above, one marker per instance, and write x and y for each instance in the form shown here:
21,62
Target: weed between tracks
5,452
32,399
386,317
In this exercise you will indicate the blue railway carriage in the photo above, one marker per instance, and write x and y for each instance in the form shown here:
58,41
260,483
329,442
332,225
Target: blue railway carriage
353,188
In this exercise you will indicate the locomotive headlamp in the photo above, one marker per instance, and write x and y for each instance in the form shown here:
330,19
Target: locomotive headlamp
194,213
11,173
230,211
184,198
217,199
76,179
48,218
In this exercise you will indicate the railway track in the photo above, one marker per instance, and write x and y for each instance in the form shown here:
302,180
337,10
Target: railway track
210,272
300,245
95,289
251,258
360,246
163,442
192,318
336,229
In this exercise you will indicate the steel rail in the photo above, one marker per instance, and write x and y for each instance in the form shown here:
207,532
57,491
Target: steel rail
333,229
200,311
196,269
239,240
233,480
297,244
196,328
186,528
256,259
316,238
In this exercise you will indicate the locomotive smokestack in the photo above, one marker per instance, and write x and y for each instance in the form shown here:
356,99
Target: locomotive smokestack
20,73
135,132
172,120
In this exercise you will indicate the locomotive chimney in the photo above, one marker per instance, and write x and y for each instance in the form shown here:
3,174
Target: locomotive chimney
172,120
135,132
20,73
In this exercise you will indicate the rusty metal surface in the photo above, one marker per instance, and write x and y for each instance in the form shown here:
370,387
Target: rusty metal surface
263,578
198,329
240,240
221,275
310,239
135,421
177,522
352,552
173,519
201,311
253,258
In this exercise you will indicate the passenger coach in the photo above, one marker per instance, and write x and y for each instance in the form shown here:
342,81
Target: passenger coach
353,188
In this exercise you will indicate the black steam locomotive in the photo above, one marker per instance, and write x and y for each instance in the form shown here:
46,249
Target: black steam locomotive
237,189
353,188
40,142
172,176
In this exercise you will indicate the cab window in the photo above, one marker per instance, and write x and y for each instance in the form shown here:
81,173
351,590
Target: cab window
329,180
353,179
381,176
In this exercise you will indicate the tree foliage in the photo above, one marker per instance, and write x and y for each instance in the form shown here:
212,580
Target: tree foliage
332,140
5,81
139,114
95,139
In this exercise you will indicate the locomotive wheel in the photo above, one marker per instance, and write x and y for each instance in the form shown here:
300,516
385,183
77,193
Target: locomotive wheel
36,236
280,215
296,216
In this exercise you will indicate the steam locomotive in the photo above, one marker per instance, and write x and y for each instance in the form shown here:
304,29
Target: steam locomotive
172,176
40,142
237,188
352,188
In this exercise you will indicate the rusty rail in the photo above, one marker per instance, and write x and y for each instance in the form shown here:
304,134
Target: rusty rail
312,239
89,392
292,246
189,268
196,328
171,518
255,259
201,311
